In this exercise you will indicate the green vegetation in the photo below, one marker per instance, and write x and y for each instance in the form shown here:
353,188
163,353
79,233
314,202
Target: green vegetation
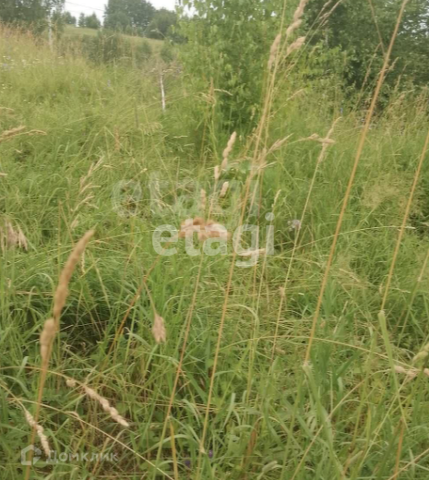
307,364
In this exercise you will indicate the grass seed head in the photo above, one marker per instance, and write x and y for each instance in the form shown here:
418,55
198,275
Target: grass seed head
46,339
228,150
62,289
40,432
158,330
274,49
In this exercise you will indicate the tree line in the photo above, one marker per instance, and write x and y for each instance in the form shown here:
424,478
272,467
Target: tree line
135,17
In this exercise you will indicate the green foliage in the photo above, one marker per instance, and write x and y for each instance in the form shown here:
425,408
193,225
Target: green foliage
128,14
92,21
29,13
162,24
363,34
228,44
167,53
69,19
82,20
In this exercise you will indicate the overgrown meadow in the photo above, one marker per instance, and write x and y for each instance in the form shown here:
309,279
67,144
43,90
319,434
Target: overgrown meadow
292,358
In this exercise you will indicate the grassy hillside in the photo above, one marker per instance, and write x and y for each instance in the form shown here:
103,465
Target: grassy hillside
71,31
229,395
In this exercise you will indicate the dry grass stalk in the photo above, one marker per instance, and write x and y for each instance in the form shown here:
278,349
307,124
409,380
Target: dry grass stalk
274,50
117,141
15,132
228,150
11,237
158,330
294,26
62,289
299,12
203,200
46,340
224,190
412,372
278,144
216,173
296,45
297,18
40,432
422,355
114,414
252,253
12,132
317,138
205,230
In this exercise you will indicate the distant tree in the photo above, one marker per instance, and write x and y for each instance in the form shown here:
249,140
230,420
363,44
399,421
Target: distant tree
92,21
161,25
34,12
69,19
117,21
82,20
122,14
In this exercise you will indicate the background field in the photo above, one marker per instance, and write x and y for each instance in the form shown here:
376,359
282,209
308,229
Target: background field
98,152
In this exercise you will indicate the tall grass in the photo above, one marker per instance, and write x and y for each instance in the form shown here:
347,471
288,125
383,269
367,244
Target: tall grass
219,372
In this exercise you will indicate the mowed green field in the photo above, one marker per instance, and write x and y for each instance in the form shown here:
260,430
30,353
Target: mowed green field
260,375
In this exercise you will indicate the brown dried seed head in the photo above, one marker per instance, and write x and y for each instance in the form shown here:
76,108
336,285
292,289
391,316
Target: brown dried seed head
46,339
216,172
295,25
158,329
228,150
203,200
252,253
62,289
274,50
39,430
224,190
296,45
12,132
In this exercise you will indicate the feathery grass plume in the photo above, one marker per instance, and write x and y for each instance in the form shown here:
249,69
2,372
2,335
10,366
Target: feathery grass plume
11,237
228,150
274,50
296,45
422,355
158,330
91,393
224,190
11,133
278,144
292,27
205,230
299,12
216,173
61,293
15,132
39,430
203,200
252,253
317,138
412,372
47,339
297,18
